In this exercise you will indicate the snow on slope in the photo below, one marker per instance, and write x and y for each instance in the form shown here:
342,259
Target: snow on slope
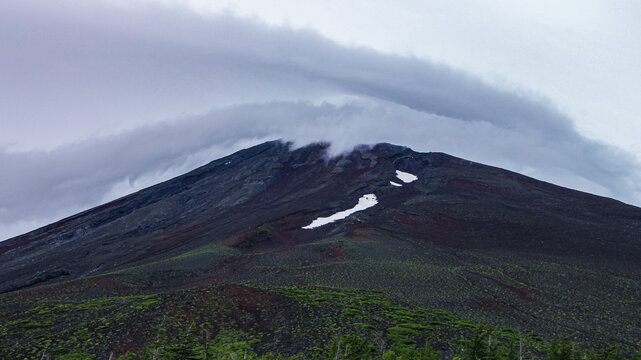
366,201
406,177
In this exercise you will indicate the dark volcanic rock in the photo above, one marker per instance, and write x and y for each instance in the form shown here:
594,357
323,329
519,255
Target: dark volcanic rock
454,204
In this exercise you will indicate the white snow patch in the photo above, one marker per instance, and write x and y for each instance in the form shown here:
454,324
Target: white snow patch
406,177
395,184
366,201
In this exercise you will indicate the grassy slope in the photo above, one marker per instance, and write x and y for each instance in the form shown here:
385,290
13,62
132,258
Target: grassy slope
251,291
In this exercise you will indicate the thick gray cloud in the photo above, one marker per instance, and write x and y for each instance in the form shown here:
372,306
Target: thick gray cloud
96,103
94,66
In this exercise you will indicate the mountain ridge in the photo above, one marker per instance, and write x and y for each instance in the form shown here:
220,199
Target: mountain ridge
127,197
110,212
477,241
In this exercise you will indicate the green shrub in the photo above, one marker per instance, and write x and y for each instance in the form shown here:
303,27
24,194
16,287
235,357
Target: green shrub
76,356
563,349
349,347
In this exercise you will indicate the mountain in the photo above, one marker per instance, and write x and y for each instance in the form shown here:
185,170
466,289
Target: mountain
432,231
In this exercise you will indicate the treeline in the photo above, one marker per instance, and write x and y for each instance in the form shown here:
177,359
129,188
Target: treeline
481,346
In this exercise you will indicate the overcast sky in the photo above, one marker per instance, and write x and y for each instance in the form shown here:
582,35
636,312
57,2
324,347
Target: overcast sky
99,99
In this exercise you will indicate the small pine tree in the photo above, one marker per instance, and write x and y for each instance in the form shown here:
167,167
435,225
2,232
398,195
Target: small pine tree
611,353
480,347
411,352
563,349
349,347
511,352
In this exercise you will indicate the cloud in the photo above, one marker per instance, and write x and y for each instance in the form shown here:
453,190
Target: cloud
94,67
121,99
38,184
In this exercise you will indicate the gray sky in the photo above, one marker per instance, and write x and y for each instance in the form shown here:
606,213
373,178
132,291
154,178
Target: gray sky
101,99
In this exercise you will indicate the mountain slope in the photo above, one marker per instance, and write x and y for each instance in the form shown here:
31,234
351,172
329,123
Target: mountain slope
478,241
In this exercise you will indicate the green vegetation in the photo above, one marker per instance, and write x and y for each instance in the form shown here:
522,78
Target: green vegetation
419,303
239,322
481,345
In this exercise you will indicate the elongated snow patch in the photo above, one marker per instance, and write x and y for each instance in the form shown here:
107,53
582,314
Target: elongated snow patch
406,177
395,183
366,201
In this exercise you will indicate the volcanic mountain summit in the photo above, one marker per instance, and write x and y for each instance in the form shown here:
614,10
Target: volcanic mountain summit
426,229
